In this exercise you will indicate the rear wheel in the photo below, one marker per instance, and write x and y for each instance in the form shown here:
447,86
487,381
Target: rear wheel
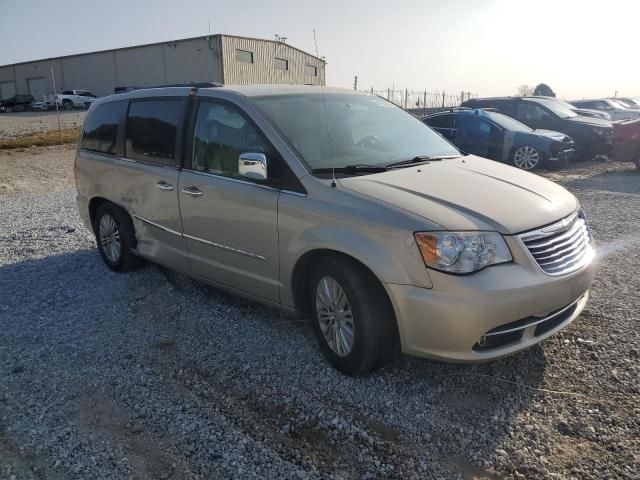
67,104
115,238
352,317
527,157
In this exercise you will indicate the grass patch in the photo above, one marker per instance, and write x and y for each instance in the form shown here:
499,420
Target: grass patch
69,135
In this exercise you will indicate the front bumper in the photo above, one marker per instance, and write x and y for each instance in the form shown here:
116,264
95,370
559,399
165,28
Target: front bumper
562,156
454,321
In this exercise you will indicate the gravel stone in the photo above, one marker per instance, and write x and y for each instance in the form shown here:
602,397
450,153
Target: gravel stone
150,374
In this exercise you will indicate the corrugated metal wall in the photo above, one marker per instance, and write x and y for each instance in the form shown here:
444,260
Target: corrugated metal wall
196,60
262,70
97,70
202,59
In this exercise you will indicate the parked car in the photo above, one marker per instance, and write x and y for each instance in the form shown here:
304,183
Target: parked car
17,103
498,137
585,112
617,110
627,101
124,89
626,141
592,136
339,206
70,99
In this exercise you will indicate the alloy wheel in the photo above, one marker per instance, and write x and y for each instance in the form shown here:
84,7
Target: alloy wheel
335,316
110,238
526,158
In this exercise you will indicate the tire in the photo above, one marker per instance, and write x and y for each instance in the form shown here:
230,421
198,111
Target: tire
527,157
67,104
115,238
87,105
365,312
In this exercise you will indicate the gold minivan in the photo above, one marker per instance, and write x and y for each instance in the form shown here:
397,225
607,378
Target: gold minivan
340,207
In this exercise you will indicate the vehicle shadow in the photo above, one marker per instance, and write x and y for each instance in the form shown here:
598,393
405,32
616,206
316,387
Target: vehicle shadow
69,317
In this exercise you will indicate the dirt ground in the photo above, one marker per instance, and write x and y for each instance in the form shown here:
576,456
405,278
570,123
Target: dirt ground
37,169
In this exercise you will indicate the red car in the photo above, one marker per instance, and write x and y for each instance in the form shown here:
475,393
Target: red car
626,141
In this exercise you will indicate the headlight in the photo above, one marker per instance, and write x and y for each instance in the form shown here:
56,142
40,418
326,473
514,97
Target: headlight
462,252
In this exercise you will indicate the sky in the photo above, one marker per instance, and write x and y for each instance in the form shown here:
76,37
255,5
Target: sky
488,47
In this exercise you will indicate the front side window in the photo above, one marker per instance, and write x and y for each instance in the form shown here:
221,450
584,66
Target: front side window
151,130
244,56
222,134
281,63
339,129
529,112
100,131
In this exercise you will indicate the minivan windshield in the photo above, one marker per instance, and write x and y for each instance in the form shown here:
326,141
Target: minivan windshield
336,130
555,107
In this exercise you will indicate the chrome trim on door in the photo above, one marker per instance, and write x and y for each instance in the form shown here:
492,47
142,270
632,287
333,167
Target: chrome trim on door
193,191
162,185
157,225
225,247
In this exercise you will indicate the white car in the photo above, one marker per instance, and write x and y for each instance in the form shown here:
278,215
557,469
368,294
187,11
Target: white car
617,110
70,99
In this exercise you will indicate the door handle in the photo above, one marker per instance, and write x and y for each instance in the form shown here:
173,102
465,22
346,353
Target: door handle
193,191
162,185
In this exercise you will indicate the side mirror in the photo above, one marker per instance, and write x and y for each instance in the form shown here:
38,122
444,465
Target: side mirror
253,166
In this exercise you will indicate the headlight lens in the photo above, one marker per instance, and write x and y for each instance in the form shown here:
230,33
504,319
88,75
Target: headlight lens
462,252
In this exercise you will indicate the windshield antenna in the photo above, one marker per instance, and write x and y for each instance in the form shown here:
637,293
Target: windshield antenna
326,119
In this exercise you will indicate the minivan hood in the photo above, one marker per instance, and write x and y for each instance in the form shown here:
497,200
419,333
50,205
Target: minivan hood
469,193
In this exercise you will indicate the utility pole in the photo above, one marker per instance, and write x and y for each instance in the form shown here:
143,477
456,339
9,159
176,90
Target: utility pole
355,82
424,102
55,100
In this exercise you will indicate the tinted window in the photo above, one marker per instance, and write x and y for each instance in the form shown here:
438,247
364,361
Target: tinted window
222,134
440,121
100,132
528,112
311,70
281,63
67,92
151,130
244,56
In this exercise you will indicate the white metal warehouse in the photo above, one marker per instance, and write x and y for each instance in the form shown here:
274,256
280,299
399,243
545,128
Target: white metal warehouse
213,58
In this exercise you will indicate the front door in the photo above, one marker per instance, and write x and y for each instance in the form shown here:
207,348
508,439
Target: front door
230,223
473,134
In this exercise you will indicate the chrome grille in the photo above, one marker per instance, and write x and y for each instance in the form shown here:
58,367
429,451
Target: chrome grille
563,247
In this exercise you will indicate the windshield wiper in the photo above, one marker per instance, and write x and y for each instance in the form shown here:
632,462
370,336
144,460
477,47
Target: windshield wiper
359,167
419,160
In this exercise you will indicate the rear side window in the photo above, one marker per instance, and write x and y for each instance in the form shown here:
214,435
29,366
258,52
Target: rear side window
100,133
151,130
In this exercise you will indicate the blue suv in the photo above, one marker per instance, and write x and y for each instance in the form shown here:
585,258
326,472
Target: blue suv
499,137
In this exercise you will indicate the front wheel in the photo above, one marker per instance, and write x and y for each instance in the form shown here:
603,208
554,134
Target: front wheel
352,318
115,238
526,157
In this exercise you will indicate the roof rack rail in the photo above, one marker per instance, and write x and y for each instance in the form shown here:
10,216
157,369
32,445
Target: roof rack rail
192,85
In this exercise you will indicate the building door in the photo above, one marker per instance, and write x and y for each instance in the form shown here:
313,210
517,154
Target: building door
7,90
37,87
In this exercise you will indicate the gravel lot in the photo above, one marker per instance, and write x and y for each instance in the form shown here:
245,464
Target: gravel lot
152,375
14,125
